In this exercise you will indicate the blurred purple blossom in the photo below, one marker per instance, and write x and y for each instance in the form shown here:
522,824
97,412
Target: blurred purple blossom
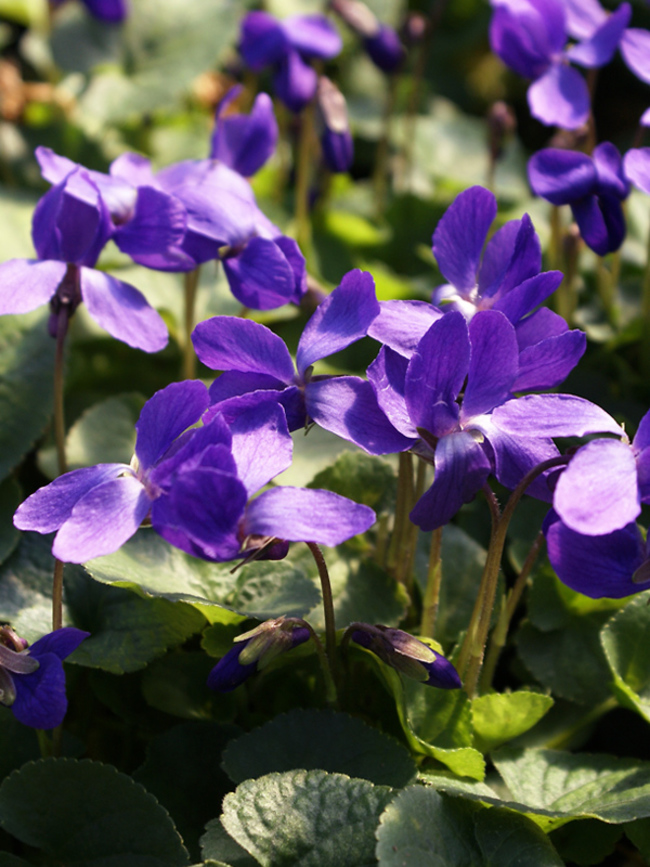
244,142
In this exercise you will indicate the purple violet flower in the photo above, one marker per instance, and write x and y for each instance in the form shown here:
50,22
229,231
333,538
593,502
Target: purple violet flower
406,654
193,486
32,681
288,46
336,139
594,187
637,166
70,226
530,37
503,275
613,565
244,142
254,650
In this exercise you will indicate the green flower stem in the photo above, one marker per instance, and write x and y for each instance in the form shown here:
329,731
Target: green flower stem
59,417
381,171
44,744
404,485
498,639
381,545
189,356
606,286
331,693
410,530
57,595
303,178
328,603
434,580
472,651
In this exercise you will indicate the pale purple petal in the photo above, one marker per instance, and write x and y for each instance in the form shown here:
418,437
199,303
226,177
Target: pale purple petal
133,168
515,456
461,468
348,407
597,566
561,176
123,311
341,319
245,142
553,415
598,493
493,365
102,521
158,223
25,284
599,49
50,507
261,445
303,515
165,416
637,167
460,235
402,324
312,35
548,363
560,98
224,217
645,118
528,295
635,48
260,276
583,17
642,437
228,343
436,374
387,374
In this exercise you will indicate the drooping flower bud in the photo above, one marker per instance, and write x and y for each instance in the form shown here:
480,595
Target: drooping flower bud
336,139
406,654
255,650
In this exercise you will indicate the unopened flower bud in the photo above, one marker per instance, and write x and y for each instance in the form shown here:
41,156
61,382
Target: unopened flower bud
336,139
501,124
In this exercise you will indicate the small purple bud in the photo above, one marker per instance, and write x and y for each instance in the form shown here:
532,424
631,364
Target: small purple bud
501,124
406,654
385,49
336,140
255,650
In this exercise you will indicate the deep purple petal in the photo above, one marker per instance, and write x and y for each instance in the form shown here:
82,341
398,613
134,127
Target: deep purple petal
228,673
205,507
540,325
303,515
312,35
515,456
599,49
25,284
496,259
637,168
385,49
387,374
49,507
61,642
216,214
348,407
245,142
609,168
338,150
341,319
598,492
635,48
263,40
123,311
493,366
228,343
518,35
548,363
460,235
561,176
165,416
402,324
158,223
553,415
261,445
528,295
642,437
601,222
295,81
111,11
296,260
40,696
436,374
597,566
232,383
260,277
461,468
524,263
102,520
560,97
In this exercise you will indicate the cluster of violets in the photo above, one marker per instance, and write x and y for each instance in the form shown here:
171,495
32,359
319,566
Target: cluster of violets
463,381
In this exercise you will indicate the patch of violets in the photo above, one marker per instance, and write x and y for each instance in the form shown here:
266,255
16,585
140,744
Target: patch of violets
193,485
531,36
190,213
594,186
32,680
288,47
